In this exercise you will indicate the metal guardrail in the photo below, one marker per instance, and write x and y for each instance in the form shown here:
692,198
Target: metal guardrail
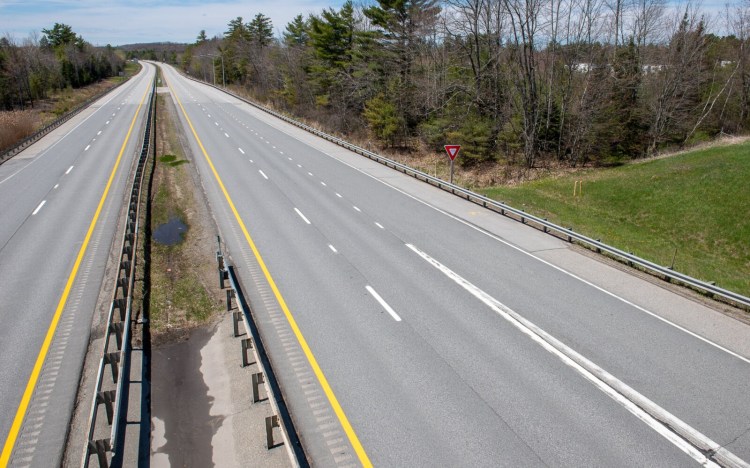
281,418
568,234
34,137
116,353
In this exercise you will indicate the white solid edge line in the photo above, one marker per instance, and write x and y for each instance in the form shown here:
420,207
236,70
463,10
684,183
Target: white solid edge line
332,248
302,216
263,174
69,169
383,303
241,150
529,254
572,359
39,207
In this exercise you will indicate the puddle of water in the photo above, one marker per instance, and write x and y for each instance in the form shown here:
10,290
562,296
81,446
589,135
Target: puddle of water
171,232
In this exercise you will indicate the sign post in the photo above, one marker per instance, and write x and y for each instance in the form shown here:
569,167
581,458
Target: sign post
452,151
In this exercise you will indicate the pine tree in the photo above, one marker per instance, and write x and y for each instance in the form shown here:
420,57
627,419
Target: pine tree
260,31
297,32
201,37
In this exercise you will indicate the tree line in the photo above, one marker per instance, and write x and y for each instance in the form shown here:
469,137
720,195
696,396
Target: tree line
521,81
60,58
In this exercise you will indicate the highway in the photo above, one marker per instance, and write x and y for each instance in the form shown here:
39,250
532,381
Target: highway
60,201
410,328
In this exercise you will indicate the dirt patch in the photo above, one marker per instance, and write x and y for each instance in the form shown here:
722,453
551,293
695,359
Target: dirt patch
184,279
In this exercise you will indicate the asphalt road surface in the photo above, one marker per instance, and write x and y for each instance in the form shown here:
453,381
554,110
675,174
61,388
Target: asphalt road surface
59,205
406,335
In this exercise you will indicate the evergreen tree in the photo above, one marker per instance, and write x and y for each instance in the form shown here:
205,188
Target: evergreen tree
297,32
260,31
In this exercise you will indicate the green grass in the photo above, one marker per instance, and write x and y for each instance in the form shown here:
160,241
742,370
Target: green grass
171,160
130,70
697,203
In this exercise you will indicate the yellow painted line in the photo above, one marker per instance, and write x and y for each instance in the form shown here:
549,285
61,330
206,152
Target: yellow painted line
34,377
353,439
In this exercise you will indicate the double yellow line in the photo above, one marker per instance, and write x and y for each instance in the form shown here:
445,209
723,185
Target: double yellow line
353,439
36,371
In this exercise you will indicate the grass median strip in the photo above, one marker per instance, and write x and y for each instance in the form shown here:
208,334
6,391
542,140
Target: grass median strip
183,293
691,211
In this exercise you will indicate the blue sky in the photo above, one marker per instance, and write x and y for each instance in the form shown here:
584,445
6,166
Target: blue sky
117,22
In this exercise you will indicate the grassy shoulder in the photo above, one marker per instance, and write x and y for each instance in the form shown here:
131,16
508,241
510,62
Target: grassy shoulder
184,289
696,204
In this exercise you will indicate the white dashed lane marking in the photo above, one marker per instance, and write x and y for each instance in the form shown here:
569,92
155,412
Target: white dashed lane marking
383,303
302,216
38,207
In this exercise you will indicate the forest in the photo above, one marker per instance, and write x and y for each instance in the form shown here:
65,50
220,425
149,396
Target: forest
524,82
32,68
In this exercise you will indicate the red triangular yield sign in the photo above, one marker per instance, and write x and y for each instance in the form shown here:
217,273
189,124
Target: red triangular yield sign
452,151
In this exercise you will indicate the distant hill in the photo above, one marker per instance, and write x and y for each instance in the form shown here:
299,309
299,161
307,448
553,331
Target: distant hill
163,51
168,46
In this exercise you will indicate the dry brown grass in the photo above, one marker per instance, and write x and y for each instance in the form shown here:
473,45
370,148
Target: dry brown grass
15,126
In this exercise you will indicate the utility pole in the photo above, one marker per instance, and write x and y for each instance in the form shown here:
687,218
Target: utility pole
213,59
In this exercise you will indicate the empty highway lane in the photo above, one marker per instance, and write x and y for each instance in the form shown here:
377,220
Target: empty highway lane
407,334
60,201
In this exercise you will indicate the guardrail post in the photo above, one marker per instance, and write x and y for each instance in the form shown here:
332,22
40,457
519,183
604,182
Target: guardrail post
108,397
236,317
271,422
257,379
100,448
229,301
247,343
117,328
123,283
112,359
120,304
125,266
